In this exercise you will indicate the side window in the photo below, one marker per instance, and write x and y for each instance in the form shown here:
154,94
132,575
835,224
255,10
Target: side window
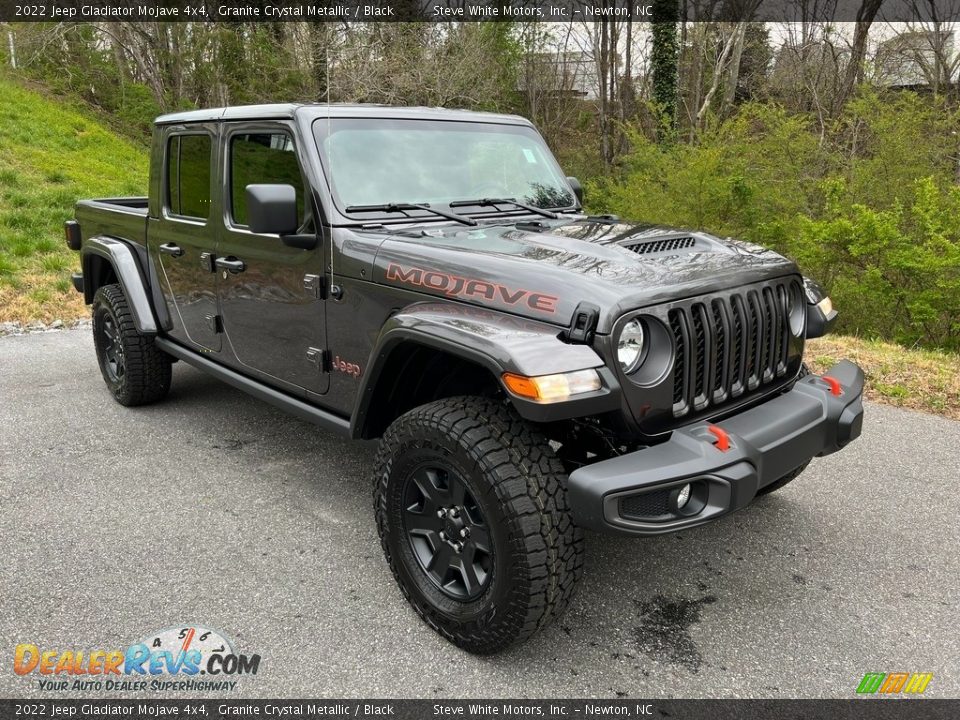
261,158
188,176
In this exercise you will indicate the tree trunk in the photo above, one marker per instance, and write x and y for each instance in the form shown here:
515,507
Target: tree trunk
663,64
733,76
602,73
318,56
739,29
13,50
858,52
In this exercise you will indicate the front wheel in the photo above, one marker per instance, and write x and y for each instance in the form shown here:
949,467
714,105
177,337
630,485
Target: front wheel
471,508
134,369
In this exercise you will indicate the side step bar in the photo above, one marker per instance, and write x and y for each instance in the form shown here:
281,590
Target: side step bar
292,405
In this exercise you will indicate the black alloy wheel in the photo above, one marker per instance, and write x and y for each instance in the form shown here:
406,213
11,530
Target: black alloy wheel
471,508
135,371
109,340
447,531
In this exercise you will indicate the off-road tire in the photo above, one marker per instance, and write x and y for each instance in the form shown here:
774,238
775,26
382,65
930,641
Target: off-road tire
793,474
520,487
146,370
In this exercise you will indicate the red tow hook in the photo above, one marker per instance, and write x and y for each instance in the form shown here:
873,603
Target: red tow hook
835,387
723,440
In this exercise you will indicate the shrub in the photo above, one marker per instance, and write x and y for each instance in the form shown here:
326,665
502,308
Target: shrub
871,210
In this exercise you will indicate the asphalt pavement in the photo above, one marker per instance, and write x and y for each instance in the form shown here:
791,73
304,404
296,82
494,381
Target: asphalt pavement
212,508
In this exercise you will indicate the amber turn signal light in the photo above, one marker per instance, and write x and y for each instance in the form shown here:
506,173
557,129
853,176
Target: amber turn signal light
552,388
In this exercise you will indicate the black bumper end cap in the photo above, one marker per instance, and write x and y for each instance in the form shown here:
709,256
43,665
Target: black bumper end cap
77,280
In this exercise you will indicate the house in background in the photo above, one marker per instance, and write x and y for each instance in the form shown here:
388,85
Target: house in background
568,74
918,60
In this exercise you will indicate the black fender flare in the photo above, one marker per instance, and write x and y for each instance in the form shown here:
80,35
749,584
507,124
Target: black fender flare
498,342
123,260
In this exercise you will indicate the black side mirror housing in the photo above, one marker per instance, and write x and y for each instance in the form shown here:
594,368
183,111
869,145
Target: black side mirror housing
272,209
577,188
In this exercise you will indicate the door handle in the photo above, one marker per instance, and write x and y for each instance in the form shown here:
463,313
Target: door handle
171,249
230,263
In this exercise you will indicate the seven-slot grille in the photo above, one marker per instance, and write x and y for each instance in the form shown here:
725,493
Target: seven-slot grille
729,345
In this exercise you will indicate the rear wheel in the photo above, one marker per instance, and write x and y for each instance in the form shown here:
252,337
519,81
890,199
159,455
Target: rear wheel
134,369
472,513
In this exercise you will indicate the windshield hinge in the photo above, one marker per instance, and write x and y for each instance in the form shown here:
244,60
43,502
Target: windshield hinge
531,226
606,219
583,324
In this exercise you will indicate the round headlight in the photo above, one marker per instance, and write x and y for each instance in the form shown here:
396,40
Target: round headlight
630,346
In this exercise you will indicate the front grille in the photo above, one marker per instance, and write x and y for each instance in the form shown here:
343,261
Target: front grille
648,247
646,506
730,345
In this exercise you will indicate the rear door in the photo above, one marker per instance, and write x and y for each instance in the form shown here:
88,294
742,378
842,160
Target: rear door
273,315
182,237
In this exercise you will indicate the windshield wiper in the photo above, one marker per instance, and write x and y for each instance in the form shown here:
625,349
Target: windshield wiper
403,207
493,202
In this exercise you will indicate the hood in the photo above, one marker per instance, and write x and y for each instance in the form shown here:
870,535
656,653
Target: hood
543,270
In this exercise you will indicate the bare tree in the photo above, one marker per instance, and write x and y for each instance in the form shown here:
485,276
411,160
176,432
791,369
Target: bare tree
734,38
858,52
807,74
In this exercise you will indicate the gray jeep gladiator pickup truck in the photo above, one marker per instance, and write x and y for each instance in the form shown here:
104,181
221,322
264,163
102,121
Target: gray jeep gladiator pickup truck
428,278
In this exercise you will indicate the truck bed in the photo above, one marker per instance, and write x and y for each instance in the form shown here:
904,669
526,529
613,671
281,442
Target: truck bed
119,217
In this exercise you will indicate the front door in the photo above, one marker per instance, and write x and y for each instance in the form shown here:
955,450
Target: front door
273,315
183,238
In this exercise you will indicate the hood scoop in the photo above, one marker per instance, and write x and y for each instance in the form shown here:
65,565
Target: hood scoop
658,246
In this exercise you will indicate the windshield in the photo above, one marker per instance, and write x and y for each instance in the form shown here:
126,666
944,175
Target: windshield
380,161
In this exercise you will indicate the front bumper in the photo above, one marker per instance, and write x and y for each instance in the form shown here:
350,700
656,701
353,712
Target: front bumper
636,494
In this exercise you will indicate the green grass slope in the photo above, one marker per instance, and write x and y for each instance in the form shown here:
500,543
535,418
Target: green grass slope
51,156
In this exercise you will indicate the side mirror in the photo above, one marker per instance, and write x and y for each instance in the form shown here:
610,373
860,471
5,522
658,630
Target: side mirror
272,209
577,188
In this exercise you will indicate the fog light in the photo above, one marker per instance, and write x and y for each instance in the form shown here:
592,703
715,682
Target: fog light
683,496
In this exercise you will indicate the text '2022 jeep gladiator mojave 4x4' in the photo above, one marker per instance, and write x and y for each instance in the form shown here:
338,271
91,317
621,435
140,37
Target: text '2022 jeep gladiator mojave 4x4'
427,277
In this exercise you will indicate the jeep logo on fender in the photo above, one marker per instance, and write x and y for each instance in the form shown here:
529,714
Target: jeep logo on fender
346,367
456,286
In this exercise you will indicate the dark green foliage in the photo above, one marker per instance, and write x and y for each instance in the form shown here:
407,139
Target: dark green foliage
663,61
872,210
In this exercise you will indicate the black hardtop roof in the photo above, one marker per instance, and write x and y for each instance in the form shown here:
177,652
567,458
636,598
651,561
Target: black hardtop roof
321,110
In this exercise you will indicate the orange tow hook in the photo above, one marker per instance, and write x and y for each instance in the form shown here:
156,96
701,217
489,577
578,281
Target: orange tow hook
835,387
723,440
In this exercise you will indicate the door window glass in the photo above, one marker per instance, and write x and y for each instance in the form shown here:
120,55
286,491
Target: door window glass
261,158
188,175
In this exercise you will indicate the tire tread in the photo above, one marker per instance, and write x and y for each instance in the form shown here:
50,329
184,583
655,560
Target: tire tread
530,484
147,369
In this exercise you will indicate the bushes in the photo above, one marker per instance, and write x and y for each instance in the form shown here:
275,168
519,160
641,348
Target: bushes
872,210
895,273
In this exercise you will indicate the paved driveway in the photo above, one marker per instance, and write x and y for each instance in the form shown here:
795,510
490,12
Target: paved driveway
214,508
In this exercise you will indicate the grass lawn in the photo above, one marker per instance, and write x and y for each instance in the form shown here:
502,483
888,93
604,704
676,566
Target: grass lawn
916,379
50,157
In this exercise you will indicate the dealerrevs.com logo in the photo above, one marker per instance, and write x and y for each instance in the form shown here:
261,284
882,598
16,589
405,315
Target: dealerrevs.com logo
189,657
894,683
